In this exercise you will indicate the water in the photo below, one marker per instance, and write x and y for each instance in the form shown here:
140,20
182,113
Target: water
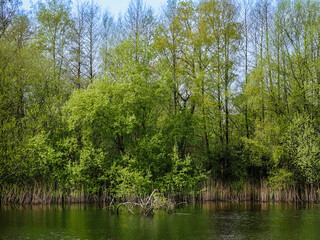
210,220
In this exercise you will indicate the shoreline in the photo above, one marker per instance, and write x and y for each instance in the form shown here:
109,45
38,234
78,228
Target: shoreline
211,190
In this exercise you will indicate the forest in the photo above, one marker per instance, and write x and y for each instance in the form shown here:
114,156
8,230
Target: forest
95,106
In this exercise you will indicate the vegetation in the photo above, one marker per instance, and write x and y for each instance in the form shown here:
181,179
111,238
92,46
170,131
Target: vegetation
94,107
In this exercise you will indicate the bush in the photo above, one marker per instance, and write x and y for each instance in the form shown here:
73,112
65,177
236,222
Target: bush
303,146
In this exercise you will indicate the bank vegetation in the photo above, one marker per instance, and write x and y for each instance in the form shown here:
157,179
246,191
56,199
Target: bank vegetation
214,100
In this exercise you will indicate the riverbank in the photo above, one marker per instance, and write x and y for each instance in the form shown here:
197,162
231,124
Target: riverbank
41,194
212,190
215,190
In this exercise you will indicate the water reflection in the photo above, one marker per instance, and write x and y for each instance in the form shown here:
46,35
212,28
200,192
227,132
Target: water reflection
207,220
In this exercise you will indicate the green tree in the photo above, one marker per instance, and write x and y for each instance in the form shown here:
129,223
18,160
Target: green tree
53,32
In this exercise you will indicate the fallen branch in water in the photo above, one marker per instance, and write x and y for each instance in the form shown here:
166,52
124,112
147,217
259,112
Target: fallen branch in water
181,203
146,206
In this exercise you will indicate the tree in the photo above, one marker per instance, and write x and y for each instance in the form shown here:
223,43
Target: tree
108,39
27,106
20,31
8,8
78,42
139,26
93,38
53,31
166,43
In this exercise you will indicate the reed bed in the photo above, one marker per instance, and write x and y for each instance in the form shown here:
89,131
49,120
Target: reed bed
41,194
211,190
216,190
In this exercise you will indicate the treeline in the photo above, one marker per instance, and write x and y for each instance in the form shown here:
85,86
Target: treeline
97,105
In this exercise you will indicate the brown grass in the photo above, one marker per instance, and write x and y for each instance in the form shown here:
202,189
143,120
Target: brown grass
42,194
212,190
215,190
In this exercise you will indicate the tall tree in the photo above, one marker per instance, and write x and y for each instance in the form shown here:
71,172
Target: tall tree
93,37
167,41
108,39
8,9
78,44
139,25
53,30
20,31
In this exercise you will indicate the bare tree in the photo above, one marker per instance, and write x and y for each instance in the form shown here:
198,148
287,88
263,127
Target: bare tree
8,9
77,44
139,24
108,37
93,37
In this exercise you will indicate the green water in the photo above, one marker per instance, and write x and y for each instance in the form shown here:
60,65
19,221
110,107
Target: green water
209,220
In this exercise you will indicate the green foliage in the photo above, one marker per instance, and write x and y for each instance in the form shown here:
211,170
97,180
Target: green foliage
128,182
237,185
108,118
166,106
151,155
27,107
186,175
303,146
280,179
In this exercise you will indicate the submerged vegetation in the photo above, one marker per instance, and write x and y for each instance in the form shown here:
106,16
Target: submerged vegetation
218,99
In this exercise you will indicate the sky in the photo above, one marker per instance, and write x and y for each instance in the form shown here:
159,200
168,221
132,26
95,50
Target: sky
114,6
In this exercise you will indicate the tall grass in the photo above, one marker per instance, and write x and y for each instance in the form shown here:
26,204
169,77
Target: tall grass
212,190
216,190
42,194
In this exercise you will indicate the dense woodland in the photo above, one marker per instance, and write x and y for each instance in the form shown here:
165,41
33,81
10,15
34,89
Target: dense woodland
118,106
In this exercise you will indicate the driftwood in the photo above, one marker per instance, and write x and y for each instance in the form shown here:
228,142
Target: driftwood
146,206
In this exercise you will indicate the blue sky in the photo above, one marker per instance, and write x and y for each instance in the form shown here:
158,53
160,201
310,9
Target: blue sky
117,6
114,6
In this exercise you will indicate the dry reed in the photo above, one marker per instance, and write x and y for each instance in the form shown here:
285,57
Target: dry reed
212,190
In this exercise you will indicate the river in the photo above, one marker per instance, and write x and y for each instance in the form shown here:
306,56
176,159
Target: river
208,220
